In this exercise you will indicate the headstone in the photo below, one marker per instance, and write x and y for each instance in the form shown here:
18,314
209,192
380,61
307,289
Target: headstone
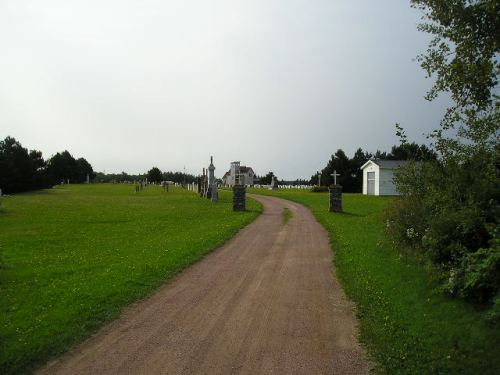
239,198
203,184
87,181
335,198
274,183
212,184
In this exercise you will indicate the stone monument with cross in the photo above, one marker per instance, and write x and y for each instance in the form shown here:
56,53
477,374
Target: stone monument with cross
335,194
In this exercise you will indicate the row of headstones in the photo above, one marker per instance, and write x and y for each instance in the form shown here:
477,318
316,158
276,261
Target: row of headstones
141,185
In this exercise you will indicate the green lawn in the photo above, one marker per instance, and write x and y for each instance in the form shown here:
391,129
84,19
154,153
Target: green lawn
72,257
408,326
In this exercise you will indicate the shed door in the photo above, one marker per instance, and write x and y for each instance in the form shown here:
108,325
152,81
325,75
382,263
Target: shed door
371,183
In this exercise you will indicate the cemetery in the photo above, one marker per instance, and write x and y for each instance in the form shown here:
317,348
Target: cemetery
161,242
313,214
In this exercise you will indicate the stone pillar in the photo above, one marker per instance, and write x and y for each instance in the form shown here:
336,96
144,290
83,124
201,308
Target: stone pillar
335,198
212,183
239,198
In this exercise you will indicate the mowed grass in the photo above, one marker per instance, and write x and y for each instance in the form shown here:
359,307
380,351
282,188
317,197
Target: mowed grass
72,257
407,324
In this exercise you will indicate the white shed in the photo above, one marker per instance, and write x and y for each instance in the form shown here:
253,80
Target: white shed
378,176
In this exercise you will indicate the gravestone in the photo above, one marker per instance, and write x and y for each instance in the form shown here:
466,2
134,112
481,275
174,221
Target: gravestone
203,189
87,181
335,198
335,192
239,198
212,184
274,183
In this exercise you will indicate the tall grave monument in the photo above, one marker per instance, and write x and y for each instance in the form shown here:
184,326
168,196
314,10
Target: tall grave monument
274,183
212,184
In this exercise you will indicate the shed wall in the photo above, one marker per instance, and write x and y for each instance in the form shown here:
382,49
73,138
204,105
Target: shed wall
386,182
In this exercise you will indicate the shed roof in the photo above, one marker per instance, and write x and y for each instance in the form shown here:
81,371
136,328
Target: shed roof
387,164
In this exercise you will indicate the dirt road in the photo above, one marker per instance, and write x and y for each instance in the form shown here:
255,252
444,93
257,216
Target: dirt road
264,303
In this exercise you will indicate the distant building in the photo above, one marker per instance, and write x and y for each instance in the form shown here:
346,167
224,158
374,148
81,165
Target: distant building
378,176
238,173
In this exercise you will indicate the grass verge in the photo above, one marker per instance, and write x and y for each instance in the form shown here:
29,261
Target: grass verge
406,323
286,215
75,255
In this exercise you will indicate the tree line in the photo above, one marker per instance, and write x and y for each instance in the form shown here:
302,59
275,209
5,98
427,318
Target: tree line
23,170
153,175
349,169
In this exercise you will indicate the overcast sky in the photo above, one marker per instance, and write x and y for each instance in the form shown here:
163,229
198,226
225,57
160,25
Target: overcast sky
278,85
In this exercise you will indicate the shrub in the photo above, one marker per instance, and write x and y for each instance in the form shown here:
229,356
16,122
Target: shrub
449,212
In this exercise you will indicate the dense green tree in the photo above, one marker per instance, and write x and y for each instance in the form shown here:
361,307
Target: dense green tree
267,179
351,177
340,163
62,167
463,59
450,207
360,157
154,175
20,170
179,177
84,169
37,158
411,151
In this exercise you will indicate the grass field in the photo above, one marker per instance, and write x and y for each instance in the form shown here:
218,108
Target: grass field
408,326
73,256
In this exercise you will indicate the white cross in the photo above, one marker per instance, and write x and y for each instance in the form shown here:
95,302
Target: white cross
319,178
335,174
